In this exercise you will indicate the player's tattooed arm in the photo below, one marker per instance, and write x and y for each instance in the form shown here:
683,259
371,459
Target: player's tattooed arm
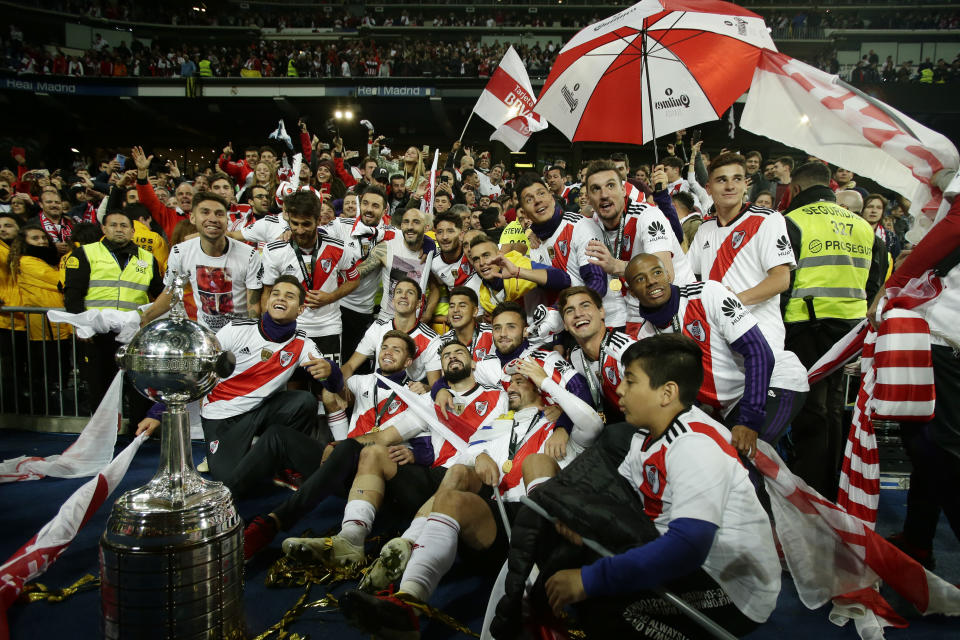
374,261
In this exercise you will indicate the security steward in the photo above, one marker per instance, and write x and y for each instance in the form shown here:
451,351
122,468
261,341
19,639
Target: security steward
111,274
841,265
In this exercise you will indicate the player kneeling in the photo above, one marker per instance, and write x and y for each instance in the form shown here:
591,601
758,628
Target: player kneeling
469,514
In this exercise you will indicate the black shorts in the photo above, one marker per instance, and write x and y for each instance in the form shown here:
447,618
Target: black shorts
413,485
493,556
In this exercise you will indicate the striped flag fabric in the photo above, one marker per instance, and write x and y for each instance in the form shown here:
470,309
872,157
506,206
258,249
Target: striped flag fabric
508,92
515,132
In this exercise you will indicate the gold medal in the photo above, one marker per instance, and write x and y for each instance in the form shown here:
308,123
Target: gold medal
615,284
507,466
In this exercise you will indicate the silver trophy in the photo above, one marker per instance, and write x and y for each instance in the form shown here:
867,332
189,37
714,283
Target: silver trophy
171,559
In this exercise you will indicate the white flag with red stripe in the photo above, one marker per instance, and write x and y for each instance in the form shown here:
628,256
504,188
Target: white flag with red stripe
515,132
42,550
831,553
507,103
804,107
426,202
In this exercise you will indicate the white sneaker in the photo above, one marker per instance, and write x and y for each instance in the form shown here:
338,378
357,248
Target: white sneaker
388,568
333,552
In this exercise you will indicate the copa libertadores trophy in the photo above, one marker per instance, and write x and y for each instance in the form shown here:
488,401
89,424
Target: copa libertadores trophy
171,559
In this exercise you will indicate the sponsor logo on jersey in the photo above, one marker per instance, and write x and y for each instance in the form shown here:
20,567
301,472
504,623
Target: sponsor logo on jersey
731,308
610,375
214,446
652,475
782,243
285,358
325,265
737,239
481,407
656,230
695,329
265,354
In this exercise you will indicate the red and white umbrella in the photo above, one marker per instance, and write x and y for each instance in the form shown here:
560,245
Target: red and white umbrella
652,69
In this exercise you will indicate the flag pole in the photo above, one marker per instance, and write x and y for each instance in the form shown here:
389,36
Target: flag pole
460,139
646,71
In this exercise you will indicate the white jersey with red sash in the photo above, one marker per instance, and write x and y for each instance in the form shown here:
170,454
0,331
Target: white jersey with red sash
481,345
740,254
490,372
455,274
473,409
361,239
267,229
426,358
263,368
714,318
323,268
375,408
604,374
692,471
239,216
568,245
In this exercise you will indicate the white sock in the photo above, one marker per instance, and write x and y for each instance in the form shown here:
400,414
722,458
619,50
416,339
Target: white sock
432,556
536,483
415,529
357,522
338,424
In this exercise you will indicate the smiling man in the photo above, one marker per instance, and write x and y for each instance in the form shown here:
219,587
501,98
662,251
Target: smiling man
744,247
224,274
755,387
465,326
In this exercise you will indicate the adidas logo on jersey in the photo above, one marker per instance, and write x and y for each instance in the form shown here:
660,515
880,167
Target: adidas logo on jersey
706,245
656,230
244,352
731,307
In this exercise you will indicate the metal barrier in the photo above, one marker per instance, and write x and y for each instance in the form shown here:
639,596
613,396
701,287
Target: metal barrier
38,367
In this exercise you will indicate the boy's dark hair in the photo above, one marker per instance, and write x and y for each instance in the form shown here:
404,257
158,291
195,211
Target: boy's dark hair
489,217
508,306
728,158
528,180
669,357
137,211
415,284
204,196
407,340
569,292
672,161
465,291
290,279
686,199
302,204
447,216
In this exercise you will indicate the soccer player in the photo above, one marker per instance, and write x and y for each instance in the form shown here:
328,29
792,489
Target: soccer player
465,326
406,298
697,493
452,267
324,266
506,456
392,471
225,274
625,232
597,356
744,247
742,370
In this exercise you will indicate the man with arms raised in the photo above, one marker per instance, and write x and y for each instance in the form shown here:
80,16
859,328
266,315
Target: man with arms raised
597,356
625,232
224,274
382,470
506,457
321,262
744,247
166,217
742,370
698,495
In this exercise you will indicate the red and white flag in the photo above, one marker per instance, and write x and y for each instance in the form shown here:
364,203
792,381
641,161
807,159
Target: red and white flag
426,202
42,550
509,98
804,107
515,132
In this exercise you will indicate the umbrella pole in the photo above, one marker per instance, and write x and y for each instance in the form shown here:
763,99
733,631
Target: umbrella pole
646,71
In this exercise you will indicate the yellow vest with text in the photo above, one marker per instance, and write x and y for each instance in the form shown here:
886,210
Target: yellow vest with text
111,288
833,264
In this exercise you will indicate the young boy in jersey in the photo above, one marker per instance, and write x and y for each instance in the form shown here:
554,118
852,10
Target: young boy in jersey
465,326
506,457
697,493
408,476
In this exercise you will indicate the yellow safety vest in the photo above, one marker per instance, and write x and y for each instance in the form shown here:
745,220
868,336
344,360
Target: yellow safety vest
205,69
833,265
291,69
111,288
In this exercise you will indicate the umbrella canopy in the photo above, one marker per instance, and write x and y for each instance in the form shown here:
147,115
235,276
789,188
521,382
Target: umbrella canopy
652,69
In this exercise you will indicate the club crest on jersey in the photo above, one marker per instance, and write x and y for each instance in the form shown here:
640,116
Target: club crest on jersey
285,358
627,242
394,406
480,353
562,246
481,407
610,375
265,354
737,239
652,475
325,265
214,446
695,329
